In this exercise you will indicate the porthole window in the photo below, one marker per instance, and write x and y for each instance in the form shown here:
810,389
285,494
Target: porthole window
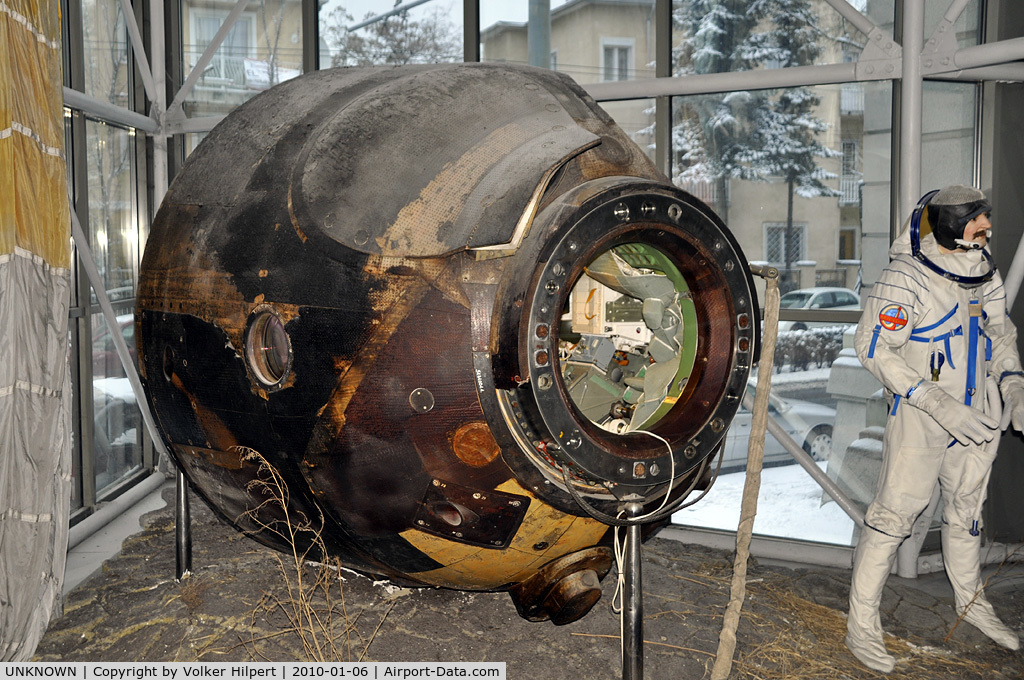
268,349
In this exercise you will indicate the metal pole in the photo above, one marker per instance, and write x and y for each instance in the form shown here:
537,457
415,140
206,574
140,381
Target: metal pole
182,530
538,34
911,107
708,83
632,600
1002,52
385,15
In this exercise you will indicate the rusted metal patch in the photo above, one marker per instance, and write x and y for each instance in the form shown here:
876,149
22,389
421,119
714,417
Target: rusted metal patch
474,444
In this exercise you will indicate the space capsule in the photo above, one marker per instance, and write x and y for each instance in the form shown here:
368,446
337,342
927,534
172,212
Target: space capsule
460,313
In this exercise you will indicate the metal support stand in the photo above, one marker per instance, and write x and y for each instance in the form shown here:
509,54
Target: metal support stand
182,530
632,600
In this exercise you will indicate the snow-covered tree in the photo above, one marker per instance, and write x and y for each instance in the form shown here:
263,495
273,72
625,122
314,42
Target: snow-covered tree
712,131
786,141
749,135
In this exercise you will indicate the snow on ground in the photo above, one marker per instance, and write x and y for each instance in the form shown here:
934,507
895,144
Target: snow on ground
789,506
811,375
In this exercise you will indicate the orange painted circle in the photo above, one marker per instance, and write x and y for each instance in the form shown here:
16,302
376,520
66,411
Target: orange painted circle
475,445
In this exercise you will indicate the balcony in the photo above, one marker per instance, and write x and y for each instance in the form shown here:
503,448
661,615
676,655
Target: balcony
851,99
236,74
849,188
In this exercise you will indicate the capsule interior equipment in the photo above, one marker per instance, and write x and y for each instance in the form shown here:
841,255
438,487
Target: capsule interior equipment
457,312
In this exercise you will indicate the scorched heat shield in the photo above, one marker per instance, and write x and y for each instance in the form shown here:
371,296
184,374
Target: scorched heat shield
460,313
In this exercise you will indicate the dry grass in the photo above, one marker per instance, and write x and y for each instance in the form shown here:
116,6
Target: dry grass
311,607
807,643
786,637
192,591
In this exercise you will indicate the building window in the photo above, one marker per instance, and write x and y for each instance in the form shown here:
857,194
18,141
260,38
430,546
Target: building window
847,243
616,59
227,69
776,245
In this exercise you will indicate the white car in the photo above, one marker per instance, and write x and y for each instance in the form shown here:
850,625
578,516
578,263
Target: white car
809,424
816,298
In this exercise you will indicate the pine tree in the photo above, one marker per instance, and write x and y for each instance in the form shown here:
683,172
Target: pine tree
786,138
750,135
712,131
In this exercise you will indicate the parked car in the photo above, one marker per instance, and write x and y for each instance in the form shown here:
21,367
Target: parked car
816,298
117,424
105,362
809,424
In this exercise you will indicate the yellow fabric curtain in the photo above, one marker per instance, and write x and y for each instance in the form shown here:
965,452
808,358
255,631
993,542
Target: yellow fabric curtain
35,258
33,184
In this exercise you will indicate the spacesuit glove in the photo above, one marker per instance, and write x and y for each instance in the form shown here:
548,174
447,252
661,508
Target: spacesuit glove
966,424
1012,389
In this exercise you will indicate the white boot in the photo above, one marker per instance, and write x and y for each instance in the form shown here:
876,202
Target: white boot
961,554
876,553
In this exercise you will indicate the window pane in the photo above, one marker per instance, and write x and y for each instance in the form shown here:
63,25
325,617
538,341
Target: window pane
262,48
771,163
636,118
364,33
113,230
824,398
717,36
105,51
117,440
114,239
779,193
595,41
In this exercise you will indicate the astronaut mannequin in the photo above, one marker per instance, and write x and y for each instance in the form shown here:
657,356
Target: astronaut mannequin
936,334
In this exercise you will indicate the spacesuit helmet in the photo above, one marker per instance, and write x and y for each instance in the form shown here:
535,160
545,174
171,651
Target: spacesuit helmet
949,212
954,207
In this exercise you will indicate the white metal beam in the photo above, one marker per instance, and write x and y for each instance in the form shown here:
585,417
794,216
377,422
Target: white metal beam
943,34
158,45
139,50
1002,73
385,15
911,109
760,79
110,112
990,54
854,16
120,346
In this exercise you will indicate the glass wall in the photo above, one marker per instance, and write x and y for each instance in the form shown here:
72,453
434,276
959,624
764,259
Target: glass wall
737,35
802,178
801,175
368,32
113,231
106,54
262,47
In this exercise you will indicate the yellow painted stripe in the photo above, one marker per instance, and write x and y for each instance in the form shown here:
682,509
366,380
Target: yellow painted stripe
473,568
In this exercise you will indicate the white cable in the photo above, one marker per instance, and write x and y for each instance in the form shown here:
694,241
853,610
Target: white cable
619,547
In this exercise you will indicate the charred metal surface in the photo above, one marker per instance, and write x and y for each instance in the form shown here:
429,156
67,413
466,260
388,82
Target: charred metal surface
346,281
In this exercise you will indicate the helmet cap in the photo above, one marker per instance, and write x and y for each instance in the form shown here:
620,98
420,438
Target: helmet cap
951,209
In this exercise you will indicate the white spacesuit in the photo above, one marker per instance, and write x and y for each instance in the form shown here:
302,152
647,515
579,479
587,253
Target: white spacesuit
935,332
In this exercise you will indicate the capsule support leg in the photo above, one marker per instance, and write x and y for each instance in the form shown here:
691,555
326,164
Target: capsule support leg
632,601
182,529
